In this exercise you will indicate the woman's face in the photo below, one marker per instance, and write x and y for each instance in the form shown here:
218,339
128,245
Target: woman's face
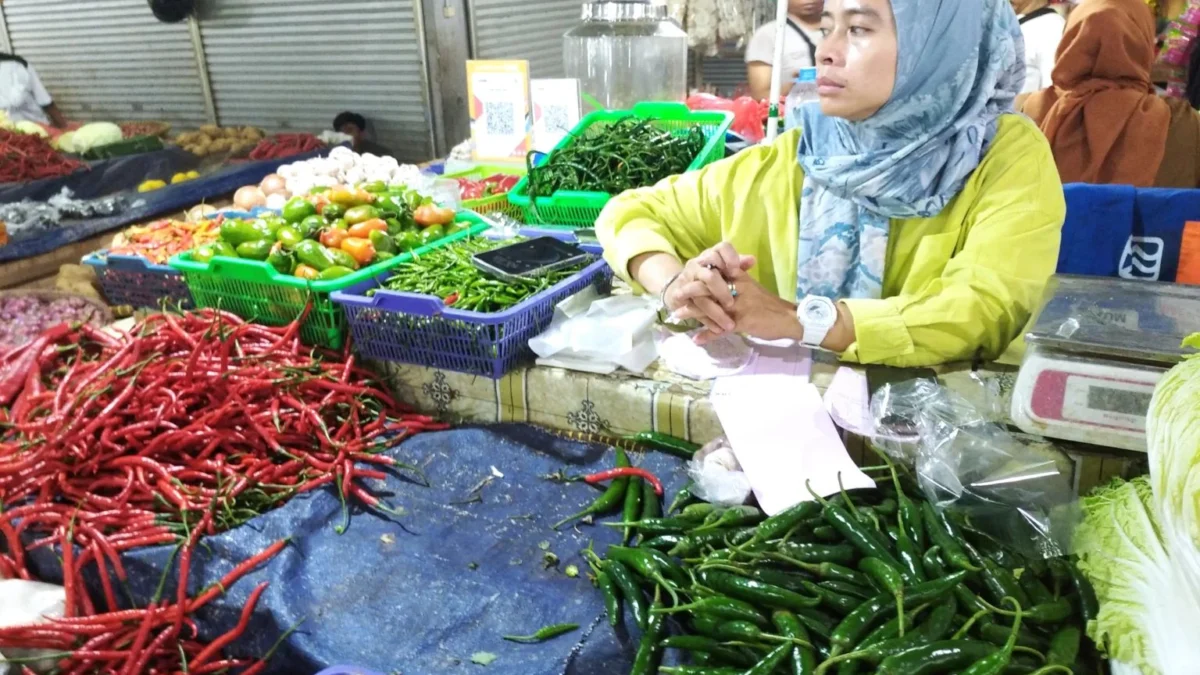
856,62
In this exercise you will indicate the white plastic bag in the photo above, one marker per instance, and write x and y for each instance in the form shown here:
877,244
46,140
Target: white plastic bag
717,475
28,602
599,335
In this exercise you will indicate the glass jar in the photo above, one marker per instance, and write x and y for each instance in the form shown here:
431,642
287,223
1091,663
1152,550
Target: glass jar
624,53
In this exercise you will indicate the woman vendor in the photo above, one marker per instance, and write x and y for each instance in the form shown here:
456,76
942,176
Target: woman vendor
909,220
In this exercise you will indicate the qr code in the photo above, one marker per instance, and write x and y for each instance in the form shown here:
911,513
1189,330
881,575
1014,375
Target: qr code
500,118
556,118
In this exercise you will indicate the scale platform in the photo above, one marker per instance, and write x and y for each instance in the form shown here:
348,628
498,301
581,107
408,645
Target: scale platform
1096,351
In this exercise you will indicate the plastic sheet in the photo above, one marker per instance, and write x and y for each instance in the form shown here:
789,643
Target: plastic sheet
421,594
165,200
1015,489
105,177
718,476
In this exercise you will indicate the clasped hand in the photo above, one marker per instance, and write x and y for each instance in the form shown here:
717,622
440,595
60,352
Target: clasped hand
715,289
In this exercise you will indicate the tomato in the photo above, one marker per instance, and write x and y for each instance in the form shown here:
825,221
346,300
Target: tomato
364,229
362,250
333,237
305,272
431,214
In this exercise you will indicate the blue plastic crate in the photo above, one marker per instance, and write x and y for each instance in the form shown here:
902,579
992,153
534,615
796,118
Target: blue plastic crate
421,329
133,280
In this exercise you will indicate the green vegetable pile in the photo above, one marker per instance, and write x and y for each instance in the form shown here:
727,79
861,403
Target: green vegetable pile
612,158
330,234
874,581
448,273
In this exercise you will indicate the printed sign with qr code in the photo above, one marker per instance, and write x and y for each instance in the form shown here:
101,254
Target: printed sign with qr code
501,124
556,111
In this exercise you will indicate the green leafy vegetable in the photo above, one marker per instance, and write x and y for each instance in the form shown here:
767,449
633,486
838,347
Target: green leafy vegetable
1139,542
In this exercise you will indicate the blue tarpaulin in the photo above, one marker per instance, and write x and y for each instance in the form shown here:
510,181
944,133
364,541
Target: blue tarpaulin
159,202
105,177
422,593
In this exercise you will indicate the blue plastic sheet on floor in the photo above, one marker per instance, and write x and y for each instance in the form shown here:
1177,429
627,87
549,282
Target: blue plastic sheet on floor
421,594
105,177
164,201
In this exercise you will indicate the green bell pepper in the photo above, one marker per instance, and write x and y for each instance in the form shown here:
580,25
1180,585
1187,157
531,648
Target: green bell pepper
335,272
342,258
315,255
289,236
297,209
310,226
235,232
359,214
283,261
254,250
333,211
382,242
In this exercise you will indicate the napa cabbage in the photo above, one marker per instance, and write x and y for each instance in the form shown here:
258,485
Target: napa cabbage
1139,541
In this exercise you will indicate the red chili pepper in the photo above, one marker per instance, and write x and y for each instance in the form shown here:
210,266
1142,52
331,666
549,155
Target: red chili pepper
625,472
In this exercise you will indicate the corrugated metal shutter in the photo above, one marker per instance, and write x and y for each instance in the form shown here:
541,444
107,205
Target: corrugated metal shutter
109,59
292,65
530,30
726,73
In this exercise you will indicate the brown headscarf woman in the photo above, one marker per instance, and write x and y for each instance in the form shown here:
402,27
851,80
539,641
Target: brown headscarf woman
1104,122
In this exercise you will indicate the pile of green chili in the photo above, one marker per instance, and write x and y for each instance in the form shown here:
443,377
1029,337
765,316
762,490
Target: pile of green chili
612,158
448,273
874,581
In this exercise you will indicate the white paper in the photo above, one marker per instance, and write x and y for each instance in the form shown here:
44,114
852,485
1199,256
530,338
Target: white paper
784,439
848,403
780,357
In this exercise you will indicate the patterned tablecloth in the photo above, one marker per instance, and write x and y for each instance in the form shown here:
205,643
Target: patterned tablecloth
584,404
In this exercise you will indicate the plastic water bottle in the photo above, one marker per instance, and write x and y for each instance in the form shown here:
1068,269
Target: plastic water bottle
804,90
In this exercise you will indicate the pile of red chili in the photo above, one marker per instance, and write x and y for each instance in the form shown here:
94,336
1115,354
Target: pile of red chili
285,145
187,425
28,157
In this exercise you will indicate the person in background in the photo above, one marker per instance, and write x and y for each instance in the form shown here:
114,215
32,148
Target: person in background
355,126
910,220
1104,121
22,96
1042,28
799,48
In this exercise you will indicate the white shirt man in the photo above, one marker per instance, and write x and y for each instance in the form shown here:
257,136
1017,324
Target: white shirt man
801,38
22,96
1042,28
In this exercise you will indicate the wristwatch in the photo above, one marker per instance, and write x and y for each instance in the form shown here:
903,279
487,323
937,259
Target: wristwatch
816,314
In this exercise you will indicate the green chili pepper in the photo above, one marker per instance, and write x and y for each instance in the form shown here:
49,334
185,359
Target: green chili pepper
633,505
803,659
887,578
631,593
697,513
936,657
994,664
668,444
934,568
736,516
998,635
944,535
699,670
793,581
544,634
780,523
723,607
607,501
818,553
651,506
1089,607
705,645
645,661
837,602
847,588
825,533
862,618
650,564
906,551
611,595
663,542
771,661
865,540
655,525
681,497
754,591
1064,646
1034,588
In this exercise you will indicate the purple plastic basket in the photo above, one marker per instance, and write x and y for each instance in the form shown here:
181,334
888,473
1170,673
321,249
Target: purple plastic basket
133,280
421,329
347,670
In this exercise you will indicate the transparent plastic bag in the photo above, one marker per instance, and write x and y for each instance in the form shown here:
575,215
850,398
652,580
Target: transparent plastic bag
717,475
734,23
1014,488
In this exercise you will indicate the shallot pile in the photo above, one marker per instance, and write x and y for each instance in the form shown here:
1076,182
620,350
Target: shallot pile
24,316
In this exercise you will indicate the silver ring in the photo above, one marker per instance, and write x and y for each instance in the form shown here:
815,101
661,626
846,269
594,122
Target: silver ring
733,290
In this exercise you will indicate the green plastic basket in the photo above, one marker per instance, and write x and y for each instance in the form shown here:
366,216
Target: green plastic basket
581,209
257,292
495,203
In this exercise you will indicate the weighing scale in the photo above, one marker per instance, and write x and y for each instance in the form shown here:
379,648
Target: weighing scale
1094,355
